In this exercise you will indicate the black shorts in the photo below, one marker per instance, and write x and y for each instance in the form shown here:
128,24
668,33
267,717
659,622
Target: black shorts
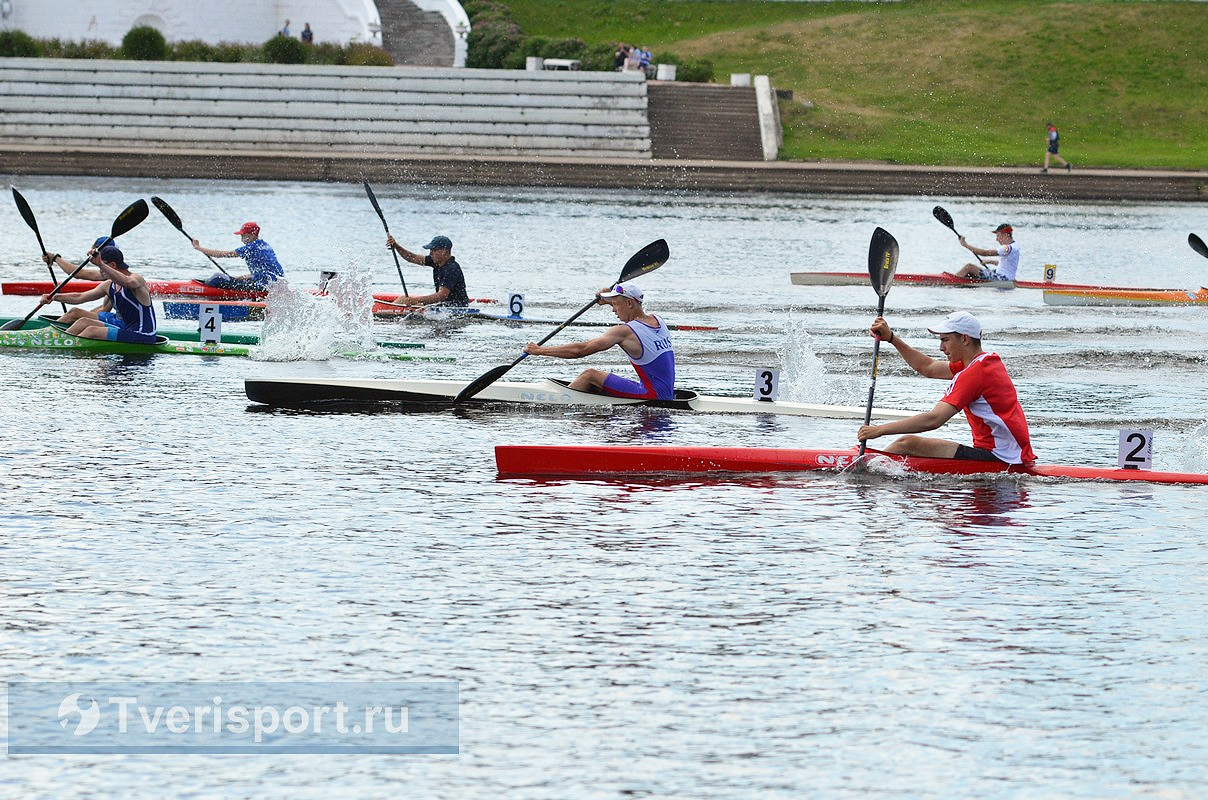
967,453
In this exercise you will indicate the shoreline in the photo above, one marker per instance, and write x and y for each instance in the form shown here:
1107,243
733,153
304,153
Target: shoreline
654,174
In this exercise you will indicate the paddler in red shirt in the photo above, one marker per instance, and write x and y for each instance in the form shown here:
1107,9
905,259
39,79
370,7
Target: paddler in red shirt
979,386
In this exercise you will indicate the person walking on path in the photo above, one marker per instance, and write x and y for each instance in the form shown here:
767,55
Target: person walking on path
1053,144
1002,269
978,384
448,281
641,336
261,261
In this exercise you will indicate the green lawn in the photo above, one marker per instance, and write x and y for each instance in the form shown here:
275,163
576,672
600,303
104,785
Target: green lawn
963,82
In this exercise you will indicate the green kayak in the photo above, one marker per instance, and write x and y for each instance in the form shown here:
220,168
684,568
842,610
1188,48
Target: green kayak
43,335
51,338
195,336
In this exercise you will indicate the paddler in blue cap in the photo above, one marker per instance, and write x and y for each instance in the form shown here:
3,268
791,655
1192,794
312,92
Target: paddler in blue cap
641,336
449,283
126,315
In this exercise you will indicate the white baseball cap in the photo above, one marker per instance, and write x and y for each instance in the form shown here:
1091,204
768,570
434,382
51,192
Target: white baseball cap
959,322
630,290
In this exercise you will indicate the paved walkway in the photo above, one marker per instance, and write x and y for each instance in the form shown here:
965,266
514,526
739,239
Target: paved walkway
656,175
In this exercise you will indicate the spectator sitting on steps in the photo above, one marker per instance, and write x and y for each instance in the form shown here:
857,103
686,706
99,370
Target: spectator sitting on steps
620,56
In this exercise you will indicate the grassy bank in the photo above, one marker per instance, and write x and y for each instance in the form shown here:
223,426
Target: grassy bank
959,82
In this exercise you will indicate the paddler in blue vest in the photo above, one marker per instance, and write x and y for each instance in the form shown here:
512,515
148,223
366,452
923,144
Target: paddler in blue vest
641,336
126,315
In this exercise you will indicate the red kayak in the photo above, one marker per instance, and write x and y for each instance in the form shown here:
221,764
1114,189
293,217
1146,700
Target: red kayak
941,279
190,289
587,461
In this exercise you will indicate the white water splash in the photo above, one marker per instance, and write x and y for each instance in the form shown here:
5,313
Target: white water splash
1192,451
803,376
303,326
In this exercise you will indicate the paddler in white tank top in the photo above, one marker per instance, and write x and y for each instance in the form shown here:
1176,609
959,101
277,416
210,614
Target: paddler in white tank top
643,337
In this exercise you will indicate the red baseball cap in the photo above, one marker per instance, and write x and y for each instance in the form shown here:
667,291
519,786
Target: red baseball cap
1003,228
249,227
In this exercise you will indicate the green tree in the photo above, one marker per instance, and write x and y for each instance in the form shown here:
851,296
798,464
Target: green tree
144,43
18,44
284,50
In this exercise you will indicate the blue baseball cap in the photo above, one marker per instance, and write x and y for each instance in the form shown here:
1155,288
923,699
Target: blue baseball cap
112,254
100,241
439,243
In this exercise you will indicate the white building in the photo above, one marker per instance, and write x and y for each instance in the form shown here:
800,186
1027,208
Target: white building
213,21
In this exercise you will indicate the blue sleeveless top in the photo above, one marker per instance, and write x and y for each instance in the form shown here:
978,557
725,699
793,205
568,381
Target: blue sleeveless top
135,316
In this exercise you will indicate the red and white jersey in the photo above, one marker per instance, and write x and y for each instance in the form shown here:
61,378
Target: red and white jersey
984,391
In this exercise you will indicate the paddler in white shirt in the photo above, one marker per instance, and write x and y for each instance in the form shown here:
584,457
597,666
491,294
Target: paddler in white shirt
641,336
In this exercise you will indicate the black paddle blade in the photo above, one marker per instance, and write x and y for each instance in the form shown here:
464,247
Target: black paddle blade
1197,244
648,259
944,217
373,201
27,214
882,260
129,219
168,213
483,381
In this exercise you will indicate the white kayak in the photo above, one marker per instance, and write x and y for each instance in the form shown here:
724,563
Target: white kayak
311,392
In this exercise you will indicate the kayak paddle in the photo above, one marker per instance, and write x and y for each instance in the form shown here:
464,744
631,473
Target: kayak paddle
174,218
946,219
28,214
1197,244
882,263
126,221
648,259
382,217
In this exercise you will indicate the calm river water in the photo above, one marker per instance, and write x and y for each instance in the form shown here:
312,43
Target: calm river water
737,637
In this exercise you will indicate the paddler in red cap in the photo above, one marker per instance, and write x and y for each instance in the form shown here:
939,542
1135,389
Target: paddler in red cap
979,385
261,261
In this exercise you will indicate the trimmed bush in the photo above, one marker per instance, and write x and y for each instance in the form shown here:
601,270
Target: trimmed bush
284,50
366,55
492,41
232,53
692,70
192,50
597,57
325,53
18,44
144,43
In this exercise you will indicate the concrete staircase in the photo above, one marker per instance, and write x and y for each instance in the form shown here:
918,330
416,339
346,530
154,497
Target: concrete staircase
413,37
706,121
